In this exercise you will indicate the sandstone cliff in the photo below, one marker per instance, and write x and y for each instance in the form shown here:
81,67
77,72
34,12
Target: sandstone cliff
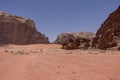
75,40
18,30
109,33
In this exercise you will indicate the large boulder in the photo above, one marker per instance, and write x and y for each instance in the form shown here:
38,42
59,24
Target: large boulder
108,35
75,40
61,38
67,41
87,35
18,30
70,44
85,38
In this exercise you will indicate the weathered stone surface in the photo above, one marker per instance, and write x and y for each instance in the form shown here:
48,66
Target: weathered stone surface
75,40
61,38
18,30
70,44
109,33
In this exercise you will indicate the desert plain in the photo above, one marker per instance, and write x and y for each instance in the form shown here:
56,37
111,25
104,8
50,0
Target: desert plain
50,62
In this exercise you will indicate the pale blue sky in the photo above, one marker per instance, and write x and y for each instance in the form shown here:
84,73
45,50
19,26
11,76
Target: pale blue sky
53,17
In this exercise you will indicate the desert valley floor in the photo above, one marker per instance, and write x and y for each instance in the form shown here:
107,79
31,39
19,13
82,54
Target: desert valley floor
49,62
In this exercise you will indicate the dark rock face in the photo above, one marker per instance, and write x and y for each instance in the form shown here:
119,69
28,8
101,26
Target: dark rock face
85,43
63,37
70,44
85,39
109,33
18,30
67,40
75,40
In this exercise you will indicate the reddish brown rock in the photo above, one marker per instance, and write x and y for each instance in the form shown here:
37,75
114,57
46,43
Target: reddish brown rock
109,33
18,30
62,38
75,40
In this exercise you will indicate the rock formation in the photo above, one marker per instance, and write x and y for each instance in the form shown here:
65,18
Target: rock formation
18,30
70,44
109,33
61,38
75,40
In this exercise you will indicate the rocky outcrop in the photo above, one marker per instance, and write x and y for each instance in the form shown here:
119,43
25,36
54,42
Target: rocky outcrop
75,40
70,44
61,38
87,35
18,30
109,33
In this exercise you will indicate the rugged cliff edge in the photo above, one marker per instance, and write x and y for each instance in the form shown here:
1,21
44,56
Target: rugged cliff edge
18,30
108,36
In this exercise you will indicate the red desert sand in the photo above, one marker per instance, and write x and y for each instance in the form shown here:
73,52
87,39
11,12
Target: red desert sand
49,62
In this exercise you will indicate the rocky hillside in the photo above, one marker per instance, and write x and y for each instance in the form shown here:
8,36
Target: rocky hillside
18,30
60,37
75,40
109,33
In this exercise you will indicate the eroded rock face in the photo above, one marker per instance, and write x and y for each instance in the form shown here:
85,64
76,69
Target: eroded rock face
109,33
75,40
70,44
61,38
18,30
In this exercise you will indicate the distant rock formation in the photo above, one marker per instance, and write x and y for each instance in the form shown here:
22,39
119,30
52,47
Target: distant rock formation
108,35
18,30
62,37
75,40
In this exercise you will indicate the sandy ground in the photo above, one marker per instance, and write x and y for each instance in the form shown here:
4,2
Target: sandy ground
49,62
